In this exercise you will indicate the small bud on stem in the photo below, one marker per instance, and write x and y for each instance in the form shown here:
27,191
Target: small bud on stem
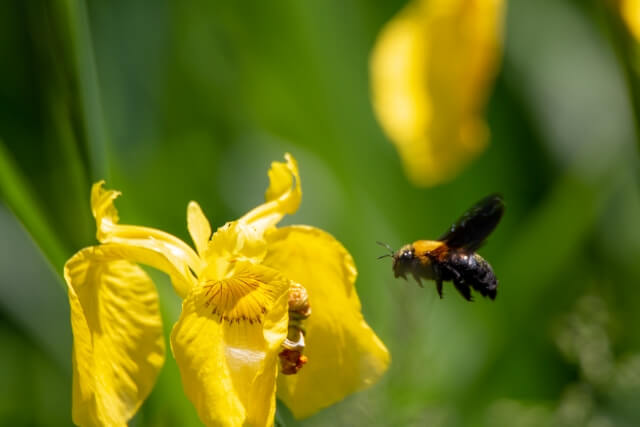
291,357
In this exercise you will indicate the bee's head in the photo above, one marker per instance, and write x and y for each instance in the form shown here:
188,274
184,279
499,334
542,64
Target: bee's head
403,260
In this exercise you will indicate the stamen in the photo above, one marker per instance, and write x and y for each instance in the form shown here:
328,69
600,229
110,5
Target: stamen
291,357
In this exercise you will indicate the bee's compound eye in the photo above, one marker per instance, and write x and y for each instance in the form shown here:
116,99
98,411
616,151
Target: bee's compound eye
407,255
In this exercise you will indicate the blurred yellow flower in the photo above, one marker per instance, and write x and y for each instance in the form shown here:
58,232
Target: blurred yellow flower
432,68
234,322
630,10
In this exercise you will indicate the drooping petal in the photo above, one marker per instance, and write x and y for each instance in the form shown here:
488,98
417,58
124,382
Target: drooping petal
199,227
282,197
118,343
431,71
344,354
145,245
226,344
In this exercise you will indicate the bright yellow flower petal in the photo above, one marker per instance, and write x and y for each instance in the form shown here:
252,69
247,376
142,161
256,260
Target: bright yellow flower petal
631,14
282,197
226,344
232,243
344,354
118,346
199,227
144,245
431,71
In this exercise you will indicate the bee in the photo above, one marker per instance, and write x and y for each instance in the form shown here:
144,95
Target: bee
453,256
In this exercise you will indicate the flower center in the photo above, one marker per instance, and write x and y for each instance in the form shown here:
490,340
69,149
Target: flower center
240,298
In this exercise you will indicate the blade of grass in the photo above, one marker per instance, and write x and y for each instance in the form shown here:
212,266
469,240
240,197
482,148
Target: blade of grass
16,193
73,15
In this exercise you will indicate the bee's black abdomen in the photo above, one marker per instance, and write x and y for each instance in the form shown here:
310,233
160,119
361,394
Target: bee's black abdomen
472,270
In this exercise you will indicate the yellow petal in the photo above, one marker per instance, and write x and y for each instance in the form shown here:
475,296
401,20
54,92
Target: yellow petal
282,197
344,354
431,71
226,344
631,14
118,344
199,227
146,245
232,243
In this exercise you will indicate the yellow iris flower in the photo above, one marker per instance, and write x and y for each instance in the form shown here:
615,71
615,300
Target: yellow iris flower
235,288
431,71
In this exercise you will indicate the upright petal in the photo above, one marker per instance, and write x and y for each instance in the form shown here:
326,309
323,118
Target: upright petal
226,345
344,354
199,227
118,344
144,245
282,197
232,243
431,71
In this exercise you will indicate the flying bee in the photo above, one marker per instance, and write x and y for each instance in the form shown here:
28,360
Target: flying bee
453,256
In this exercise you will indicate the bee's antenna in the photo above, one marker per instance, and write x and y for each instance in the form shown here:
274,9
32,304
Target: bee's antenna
385,245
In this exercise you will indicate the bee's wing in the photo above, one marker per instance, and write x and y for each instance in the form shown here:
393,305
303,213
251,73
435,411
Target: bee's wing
470,231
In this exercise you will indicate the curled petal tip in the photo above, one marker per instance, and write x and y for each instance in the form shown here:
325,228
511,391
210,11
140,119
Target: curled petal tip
282,197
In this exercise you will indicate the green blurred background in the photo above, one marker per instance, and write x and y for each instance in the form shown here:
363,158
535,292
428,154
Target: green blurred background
191,100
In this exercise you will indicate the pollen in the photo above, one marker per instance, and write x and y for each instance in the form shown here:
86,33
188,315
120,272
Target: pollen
238,299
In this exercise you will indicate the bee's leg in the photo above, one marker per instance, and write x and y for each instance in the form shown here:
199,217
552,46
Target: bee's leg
439,287
463,288
415,276
438,278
